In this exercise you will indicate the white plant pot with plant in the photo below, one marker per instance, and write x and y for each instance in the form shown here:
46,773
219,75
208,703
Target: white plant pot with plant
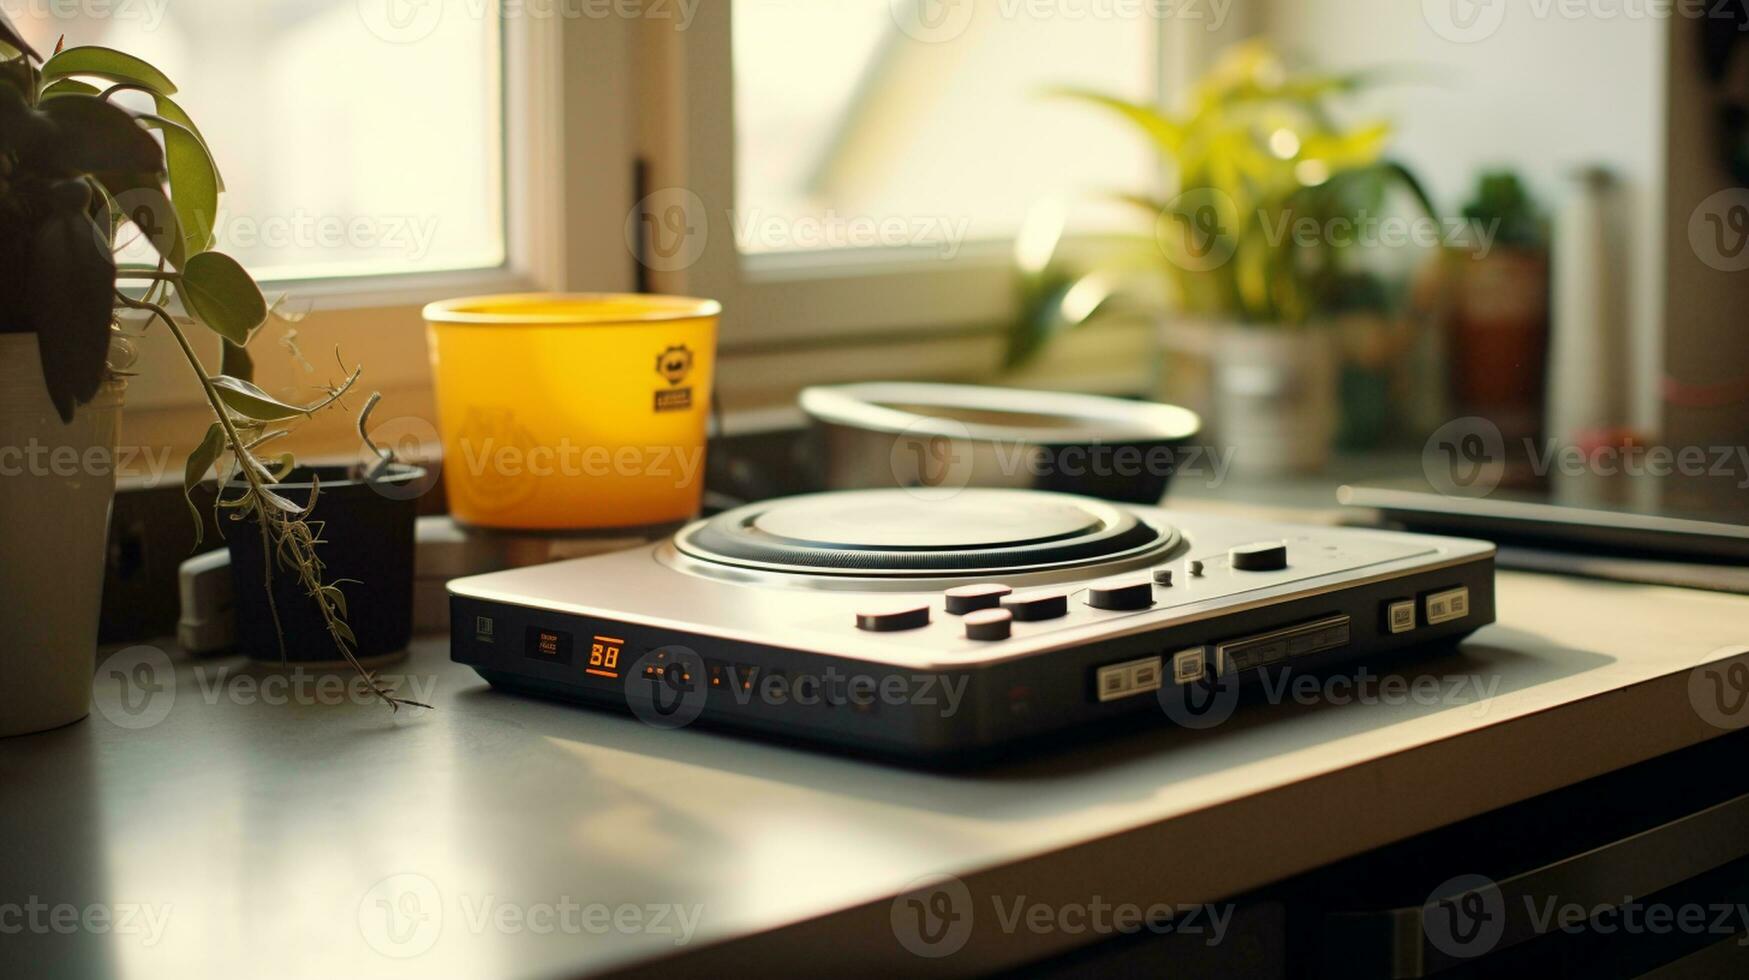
94,152
55,489
1270,392
1261,233
1275,397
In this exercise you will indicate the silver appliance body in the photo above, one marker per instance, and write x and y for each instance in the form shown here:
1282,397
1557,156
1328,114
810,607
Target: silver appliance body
894,623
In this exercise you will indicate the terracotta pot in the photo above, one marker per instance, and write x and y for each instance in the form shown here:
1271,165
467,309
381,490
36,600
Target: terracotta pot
56,484
1500,336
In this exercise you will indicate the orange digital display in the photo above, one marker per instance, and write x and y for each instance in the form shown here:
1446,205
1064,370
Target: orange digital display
604,654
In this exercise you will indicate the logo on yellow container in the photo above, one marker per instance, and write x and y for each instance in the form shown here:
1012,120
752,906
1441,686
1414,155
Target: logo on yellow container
674,364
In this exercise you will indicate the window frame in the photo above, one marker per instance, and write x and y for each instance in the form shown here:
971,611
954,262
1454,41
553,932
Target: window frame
777,298
376,320
529,63
847,296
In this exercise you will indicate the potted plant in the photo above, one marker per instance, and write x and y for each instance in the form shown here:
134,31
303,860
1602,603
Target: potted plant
367,528
83,168
1264,230
1500,307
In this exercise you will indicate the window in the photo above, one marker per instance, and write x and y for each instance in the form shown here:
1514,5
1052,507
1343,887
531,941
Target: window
925,133
856,172
354,142
380,154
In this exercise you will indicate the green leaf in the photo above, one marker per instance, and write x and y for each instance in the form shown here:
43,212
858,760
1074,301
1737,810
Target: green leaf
69,302
168,108
270,499
234,503
194,182
101,62
195,470
236,362
223,297
282,466
1167,135
67,86
140,198
11,35
251,402
92,136
1395,170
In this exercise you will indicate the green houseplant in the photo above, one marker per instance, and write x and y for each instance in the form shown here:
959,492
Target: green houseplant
83,170
1264,232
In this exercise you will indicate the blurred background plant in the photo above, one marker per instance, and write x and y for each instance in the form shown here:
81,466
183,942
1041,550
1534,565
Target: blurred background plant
1270,217
1258,152
1502,203
1497,298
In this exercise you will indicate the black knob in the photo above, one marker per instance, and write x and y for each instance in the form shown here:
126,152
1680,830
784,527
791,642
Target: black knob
1264,556
968,598
1163,576
1138,595
1036,607
893,620
989,624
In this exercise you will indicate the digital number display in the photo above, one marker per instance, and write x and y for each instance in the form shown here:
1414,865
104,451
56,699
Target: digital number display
604,654
556,647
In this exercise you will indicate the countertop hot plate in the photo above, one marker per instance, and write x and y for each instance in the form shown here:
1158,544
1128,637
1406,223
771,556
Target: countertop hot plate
839,618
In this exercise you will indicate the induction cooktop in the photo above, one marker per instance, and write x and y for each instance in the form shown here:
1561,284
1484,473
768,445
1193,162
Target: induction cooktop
917,623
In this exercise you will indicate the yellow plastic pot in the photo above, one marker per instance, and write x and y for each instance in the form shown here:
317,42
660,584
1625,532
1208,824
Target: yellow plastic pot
573,412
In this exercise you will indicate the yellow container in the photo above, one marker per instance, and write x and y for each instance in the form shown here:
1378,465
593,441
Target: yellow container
570,412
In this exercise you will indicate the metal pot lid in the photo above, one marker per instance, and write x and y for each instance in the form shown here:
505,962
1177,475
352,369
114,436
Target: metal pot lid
1006,415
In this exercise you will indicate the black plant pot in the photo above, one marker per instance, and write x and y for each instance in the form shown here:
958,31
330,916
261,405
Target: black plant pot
367,549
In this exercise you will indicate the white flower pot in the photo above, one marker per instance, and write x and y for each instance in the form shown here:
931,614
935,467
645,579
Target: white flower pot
1275,397
56,484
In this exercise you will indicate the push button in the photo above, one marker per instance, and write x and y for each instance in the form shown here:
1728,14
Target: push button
989,624
1443,607
1400,616
1138,595
1189,665
1263,556
1038,606
893,620
969,598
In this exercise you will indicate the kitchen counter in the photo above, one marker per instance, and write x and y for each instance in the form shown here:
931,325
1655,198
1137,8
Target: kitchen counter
212,820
